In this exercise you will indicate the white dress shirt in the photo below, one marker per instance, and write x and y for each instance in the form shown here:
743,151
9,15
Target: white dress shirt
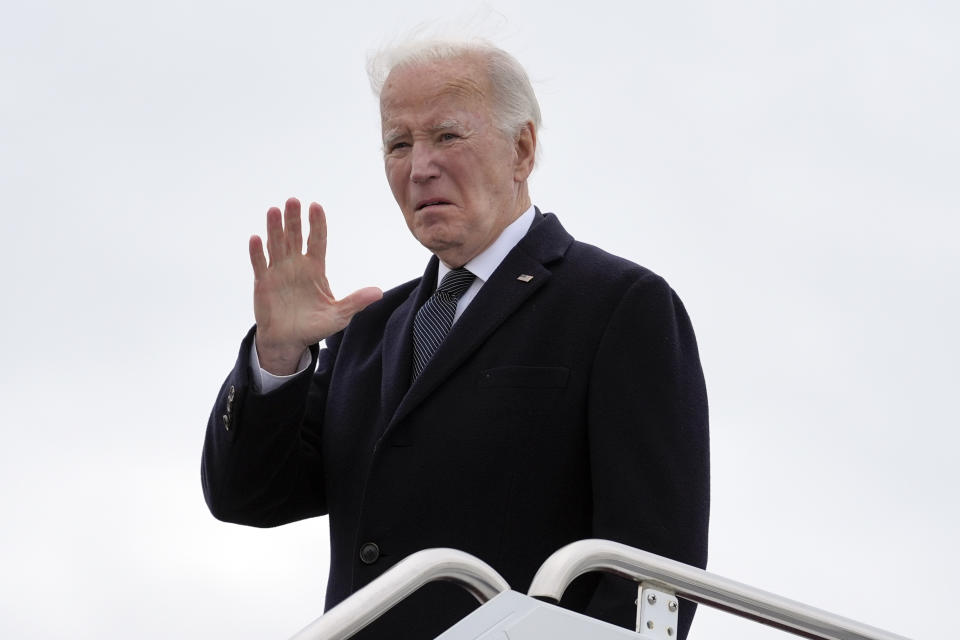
482,266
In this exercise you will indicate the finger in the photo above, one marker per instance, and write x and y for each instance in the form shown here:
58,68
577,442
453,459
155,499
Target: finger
317,240
291,225
358,301
257,259
275,244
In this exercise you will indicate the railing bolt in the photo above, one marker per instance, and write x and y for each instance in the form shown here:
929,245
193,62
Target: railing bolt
652,598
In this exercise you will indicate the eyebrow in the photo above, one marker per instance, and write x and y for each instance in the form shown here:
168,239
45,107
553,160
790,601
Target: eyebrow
446,124
390,136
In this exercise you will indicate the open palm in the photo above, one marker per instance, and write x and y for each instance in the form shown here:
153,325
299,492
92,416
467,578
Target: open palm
292,301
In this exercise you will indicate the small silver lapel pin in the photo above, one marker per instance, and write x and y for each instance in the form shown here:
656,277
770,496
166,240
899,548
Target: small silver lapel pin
523,277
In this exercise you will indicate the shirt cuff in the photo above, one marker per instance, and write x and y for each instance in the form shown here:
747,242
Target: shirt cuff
264,381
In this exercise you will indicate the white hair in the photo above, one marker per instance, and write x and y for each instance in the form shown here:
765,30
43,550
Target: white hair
514,102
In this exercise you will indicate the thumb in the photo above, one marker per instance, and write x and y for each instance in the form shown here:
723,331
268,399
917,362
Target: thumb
358,301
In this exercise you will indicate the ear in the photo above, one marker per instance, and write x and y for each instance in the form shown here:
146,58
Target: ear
525,148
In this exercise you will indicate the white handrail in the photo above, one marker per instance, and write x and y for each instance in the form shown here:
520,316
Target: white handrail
405,577
695,584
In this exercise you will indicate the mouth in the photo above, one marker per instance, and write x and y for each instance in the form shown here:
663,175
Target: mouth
433,202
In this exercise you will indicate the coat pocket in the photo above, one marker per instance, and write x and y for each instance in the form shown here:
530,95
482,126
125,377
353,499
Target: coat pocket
525,377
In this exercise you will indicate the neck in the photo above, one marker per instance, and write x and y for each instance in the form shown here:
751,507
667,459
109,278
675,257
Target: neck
454,257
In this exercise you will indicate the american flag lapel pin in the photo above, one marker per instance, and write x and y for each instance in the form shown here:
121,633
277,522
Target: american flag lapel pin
523,277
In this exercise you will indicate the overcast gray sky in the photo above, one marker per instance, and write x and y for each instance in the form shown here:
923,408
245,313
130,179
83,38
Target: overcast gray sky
790,168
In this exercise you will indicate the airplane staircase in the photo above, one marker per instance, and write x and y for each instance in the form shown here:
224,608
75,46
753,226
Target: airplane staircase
506,614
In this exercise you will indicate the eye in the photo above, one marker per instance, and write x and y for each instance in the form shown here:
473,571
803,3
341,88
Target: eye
396,146
447,137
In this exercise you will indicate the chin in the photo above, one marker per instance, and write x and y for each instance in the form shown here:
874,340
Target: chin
437,236
441,246
437,245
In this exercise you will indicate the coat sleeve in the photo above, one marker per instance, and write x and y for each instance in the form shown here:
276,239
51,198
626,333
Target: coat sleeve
649,445
261,463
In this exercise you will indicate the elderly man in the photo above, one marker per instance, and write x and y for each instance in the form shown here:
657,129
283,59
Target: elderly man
527,391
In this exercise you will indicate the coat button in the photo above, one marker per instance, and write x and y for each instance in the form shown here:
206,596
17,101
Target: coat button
226,421
369,553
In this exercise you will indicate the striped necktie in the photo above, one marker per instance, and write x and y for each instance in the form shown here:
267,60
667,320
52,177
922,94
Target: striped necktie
435,317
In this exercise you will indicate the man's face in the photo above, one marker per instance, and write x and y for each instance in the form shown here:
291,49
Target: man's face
458,180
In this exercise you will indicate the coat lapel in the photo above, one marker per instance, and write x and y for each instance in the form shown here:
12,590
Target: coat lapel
497,300
397,354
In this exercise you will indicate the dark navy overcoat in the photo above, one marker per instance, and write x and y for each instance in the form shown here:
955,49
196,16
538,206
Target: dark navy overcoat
562,406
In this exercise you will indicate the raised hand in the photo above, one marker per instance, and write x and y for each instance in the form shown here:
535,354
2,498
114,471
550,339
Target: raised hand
292,301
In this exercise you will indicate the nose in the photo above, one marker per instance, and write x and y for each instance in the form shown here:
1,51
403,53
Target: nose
423,166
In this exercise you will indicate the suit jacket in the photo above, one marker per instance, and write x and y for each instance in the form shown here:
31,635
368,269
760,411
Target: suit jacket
566,407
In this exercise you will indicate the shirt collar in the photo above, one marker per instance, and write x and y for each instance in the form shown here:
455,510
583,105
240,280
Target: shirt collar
486,262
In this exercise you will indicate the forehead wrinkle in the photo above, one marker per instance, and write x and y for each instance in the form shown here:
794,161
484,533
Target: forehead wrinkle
461,87
464,87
